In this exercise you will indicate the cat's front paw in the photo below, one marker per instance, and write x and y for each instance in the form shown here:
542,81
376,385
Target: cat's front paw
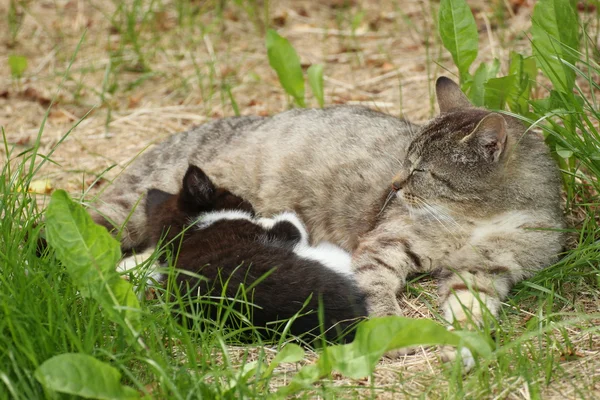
378,307
450,354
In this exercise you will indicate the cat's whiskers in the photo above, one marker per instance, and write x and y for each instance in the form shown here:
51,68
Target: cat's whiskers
442,212
444,215
390,195
399,161
434,213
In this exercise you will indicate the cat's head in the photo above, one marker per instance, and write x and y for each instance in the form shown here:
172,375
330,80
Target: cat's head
198,195
458,157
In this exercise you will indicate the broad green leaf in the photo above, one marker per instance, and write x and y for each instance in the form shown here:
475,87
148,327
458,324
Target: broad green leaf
83,375
286,63
373,339
557,101
525,71
459,34
477,90
18,65
493,68
555,37
563,152
289,354
87,250
315,80
126,301
476,342
476,86
90,254
357,19
497,90
379,335
305,378
248,370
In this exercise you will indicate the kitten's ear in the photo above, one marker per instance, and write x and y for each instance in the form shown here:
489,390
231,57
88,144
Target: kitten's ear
155,198
489,136
197,188
449,95
285,231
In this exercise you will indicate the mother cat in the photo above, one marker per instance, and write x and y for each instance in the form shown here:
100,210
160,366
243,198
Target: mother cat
469,195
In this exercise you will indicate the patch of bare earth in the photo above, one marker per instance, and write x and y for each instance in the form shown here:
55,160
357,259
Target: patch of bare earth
180,76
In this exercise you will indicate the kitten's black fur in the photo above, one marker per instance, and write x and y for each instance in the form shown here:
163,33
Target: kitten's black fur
241,252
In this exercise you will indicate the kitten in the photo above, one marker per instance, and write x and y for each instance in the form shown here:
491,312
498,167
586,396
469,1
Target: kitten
215,234
470,195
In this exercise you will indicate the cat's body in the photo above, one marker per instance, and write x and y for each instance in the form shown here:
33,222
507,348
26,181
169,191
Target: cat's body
266,262
318,163
474,198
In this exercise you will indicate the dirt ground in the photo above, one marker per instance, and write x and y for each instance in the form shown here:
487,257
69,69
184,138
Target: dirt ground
130,99
384,64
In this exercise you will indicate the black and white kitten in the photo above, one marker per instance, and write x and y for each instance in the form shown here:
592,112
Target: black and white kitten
215,234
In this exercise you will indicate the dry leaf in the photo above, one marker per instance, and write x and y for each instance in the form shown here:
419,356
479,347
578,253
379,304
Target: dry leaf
40,187
34,95
387,66
58,115
134,101
280,18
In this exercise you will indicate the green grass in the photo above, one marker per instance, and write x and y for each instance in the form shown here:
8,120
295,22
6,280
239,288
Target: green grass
545,336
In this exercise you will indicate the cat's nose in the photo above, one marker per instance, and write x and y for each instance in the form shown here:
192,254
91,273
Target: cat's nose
397,185
399,181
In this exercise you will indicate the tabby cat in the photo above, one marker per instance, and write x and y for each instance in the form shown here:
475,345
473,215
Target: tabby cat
213,233
471,195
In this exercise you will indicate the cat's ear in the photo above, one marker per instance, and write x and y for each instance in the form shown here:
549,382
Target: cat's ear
449,95
489,136
197,188
155,198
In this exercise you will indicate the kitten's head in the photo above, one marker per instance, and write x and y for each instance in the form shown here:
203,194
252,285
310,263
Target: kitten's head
201,203
198,194
456,158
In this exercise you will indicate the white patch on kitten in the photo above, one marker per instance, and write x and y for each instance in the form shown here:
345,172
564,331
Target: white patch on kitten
330,255
210,218
290,217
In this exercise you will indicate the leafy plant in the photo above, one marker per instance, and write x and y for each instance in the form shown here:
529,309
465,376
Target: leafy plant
374,338
18,65
555,40
555,44
85,376
459,34
90,255
284,59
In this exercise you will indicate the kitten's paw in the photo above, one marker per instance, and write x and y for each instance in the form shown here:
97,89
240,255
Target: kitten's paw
129,264
450,354
126,264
